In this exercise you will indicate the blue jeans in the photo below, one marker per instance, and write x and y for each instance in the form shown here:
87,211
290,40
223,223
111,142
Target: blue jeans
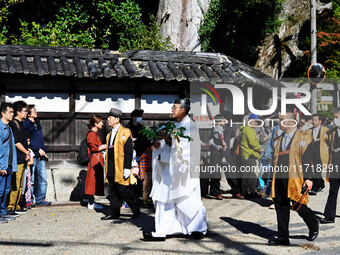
5,188
39,180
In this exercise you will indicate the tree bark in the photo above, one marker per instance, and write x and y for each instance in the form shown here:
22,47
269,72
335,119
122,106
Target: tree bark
180,21
280,48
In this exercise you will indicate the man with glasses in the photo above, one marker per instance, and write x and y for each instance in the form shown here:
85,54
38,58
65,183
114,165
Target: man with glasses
333,175
8,159
176,185
23,155
292,173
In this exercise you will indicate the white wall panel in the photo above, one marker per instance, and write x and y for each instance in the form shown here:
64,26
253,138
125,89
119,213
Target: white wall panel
44,102
157,103
104,102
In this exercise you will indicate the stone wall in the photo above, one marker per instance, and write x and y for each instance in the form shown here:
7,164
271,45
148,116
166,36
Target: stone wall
66,181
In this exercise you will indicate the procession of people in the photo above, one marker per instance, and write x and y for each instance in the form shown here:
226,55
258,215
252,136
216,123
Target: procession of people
163,172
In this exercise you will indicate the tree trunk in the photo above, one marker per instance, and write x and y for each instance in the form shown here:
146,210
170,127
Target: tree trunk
180,21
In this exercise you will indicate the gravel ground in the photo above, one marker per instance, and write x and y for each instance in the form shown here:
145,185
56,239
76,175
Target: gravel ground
235,227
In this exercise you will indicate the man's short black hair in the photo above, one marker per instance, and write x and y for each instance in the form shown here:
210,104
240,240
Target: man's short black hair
4,107
316,115
17,106
136,113
184,102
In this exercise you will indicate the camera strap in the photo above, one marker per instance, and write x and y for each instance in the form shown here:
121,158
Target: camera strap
301,198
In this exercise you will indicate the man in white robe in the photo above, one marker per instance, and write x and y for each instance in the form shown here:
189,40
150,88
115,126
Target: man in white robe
176,186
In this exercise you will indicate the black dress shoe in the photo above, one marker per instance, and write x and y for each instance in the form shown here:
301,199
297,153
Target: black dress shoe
327,220
109,217
135,214
198,235
279,241
314,234
312,192
147,236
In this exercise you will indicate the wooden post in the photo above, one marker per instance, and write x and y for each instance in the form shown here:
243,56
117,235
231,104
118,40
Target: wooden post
138,97
2,92
336,100
72,121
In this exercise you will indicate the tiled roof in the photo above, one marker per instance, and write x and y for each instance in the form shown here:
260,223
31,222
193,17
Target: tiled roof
157,65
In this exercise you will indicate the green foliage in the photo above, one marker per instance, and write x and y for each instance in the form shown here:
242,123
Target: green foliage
328,45
208,24
144,37
327,114
56,34
237,28
99,23
166,130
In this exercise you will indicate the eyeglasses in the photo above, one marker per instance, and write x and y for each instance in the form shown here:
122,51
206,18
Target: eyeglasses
175,107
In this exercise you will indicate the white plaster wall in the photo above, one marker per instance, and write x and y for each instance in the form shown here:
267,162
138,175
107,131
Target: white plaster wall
152,103
44,102
102,103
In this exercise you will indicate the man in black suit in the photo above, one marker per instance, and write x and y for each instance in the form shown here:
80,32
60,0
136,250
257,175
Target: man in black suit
333,175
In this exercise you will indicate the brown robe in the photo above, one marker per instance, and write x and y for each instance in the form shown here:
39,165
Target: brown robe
121,137
295,176
324,154
331,137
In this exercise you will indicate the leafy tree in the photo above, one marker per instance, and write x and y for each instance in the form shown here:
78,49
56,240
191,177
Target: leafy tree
98,23
237,28
328,45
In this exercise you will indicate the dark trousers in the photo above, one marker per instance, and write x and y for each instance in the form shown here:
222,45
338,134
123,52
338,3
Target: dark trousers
282,208
119,193
249,178
330,209
5,188
215,184
318,182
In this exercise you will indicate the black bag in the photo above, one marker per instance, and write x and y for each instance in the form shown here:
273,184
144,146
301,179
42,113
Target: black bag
83,158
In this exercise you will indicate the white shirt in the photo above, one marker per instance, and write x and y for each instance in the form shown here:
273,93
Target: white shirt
316,132
113,134
286,139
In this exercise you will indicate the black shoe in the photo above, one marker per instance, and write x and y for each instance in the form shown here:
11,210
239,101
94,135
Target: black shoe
312,192
198,235
21,211
13,213
314,234
135,214
253,195
279,241
321,189
327,220
147,236
109,217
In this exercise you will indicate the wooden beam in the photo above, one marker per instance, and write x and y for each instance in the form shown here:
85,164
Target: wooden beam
79,115
138,97
72,110
336,99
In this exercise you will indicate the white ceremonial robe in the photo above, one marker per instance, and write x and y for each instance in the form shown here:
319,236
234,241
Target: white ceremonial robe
176,187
